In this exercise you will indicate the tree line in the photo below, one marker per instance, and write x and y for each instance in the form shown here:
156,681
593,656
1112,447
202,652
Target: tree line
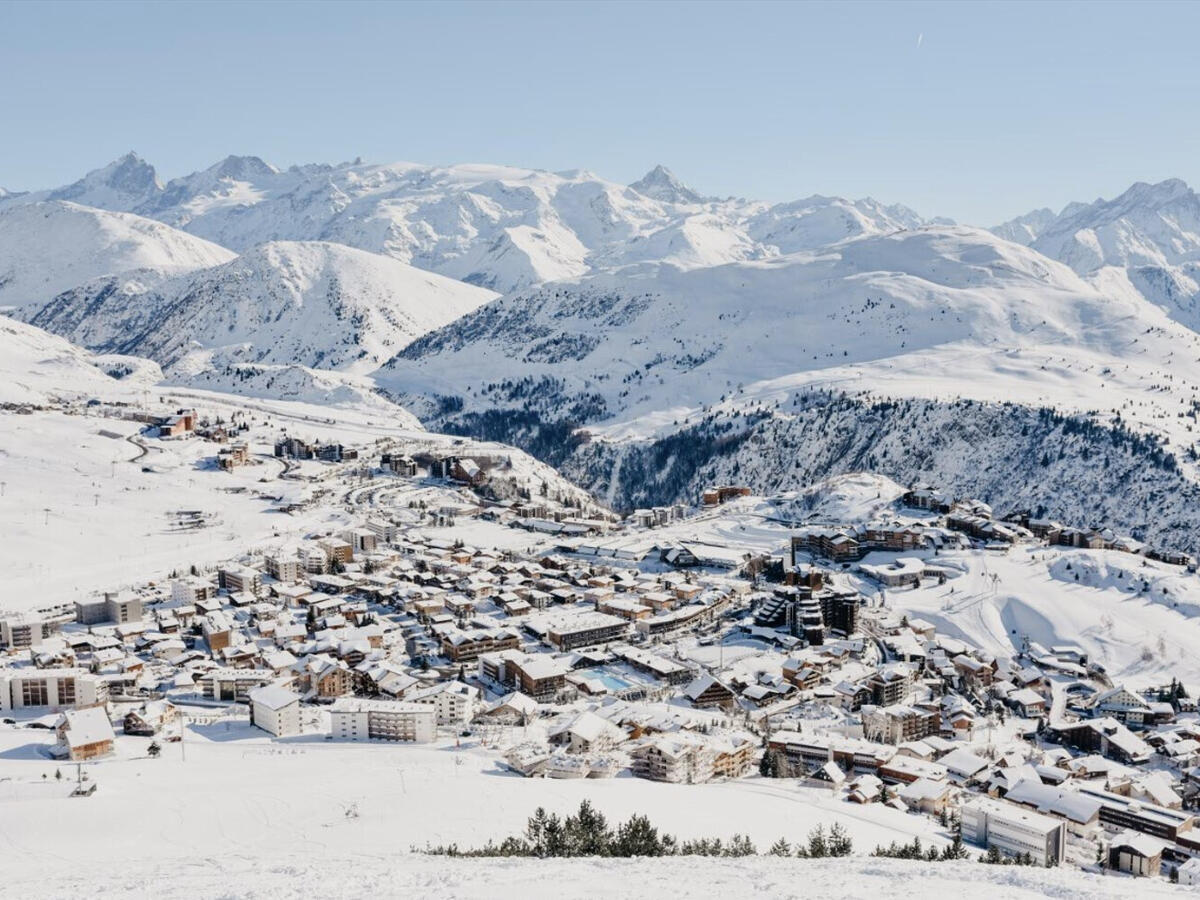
588,833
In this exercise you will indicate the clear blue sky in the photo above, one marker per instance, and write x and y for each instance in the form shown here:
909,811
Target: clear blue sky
969,110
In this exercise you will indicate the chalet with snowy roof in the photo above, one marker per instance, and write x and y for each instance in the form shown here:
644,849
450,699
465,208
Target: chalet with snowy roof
467,471
177,425
923,496
706,692
537,675
1131,709
827,775
1108,737
585,732
681,758
84,734
928,795
467,646
151,718
514,707
1136,854
986,529
1027,703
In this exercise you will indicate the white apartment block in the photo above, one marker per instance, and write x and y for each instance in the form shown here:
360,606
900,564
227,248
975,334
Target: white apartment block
242,579
20,631
52,688
384,530
1014,830
285,567
192,590
355,719
275,709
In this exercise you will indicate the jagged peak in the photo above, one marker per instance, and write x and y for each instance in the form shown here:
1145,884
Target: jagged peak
660,183
242,167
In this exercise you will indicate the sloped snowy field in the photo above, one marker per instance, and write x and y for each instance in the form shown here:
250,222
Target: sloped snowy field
354,875
246,817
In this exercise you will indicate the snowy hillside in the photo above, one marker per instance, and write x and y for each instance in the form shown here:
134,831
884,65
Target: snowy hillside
663,344
52,246
36,366
497,226
214,371
312,304
1011,456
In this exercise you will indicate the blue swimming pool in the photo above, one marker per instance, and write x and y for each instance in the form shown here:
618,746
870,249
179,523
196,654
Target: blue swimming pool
612,682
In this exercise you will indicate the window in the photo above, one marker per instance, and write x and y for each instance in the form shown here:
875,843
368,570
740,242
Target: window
66,692
34,693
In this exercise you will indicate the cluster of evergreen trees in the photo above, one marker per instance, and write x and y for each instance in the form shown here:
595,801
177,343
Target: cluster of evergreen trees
996,858
914,850
587,833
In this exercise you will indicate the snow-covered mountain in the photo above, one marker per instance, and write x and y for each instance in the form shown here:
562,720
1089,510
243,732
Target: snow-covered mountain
311,304
51,246
501,227
1148,225
661,184
1146,241
125,184
618,346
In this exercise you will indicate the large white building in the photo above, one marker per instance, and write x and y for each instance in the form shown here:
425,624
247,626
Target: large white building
52,688
453,701
192,590
356,719
275,709
1014,830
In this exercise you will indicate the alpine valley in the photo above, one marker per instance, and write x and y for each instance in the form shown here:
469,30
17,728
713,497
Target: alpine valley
646,340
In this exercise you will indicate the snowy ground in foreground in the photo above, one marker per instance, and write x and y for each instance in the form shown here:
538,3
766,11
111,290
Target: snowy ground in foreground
299,875
239,794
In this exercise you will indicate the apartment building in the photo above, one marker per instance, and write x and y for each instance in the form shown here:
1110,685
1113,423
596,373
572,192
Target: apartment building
357,719
52,688
1014,830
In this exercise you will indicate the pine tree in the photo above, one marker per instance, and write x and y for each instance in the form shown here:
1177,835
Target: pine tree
840,843
587,832
816,843
781,848
535,832
637,837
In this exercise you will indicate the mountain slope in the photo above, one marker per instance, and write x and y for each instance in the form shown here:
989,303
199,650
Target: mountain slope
616,345
52,246
317,305
36,366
